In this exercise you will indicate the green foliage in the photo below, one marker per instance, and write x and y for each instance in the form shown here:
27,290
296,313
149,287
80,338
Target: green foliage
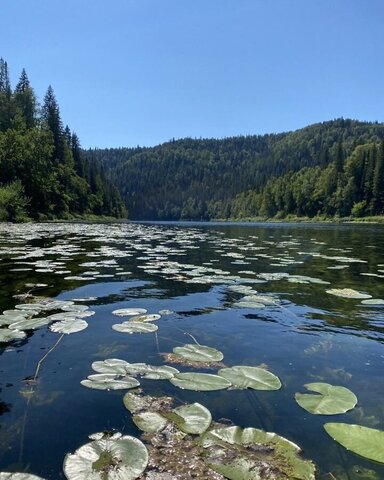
323,169
13,203
43,162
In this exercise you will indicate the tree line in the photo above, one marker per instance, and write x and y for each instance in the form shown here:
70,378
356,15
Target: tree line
333,168
43,171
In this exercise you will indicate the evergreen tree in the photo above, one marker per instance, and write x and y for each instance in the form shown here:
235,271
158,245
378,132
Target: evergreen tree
25,100
52,119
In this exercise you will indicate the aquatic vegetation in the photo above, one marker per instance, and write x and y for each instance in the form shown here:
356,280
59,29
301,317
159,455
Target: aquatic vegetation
198,353
69,326
348,293
107,457
202,382
250,453
135,327
10,335
366,442
126,312
18,476
328,400
109,381
250,377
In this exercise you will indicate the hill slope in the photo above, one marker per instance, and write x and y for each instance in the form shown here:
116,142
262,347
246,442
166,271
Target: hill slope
238,177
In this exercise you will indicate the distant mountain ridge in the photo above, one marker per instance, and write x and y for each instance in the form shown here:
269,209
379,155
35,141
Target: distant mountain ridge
330,168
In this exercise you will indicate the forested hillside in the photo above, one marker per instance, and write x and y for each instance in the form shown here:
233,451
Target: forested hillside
43,172
331,168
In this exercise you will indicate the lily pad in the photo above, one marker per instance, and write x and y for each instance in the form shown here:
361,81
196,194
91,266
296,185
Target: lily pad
139,403
201,382
126,312
18,476
69,326
199,353
105,381
135,327
124,457
7,335
150,422
366,442
331,400
373,301
110,365
146,318
348,293
29,323
251,377
194,418
252,454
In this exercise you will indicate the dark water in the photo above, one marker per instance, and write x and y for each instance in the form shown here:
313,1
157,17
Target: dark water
308,336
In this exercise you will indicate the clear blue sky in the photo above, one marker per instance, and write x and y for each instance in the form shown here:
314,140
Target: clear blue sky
140,72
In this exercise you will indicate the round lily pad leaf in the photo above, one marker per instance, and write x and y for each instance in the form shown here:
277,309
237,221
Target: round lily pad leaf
126,312
110,365
331,400
104,381
373,301
107,459
69,326
251,377
194,418
135,327
199,353
162,372
18,476
281,455
29,323
150,422
146,318
348,293
366,442
7,335
201,382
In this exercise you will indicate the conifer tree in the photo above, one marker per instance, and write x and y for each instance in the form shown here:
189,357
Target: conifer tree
52,119
25,100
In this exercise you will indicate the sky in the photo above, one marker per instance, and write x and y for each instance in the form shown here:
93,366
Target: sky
141,72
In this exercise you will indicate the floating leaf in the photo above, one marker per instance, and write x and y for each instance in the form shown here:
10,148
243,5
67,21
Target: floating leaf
111,365
366,442
135,327
29,323
194,418
69,326
150,422
146,318
105,381
108,458
126,312
244,454
331,401
18,476
7,335
348,293
201,382
373,301
251,377
199,353
138,403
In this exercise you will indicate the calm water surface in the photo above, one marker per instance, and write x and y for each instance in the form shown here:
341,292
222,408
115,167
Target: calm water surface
307,336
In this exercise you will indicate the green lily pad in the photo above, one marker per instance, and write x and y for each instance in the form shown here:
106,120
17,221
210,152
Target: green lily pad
162,372
124,457
199,353
366,442
18,476
7,335
69,326
194,418
135,327
139,403
251,377
243,454
150,422
146,318
29,323
126,312
348,293
331,400
110,365
201,382
105,381
373,301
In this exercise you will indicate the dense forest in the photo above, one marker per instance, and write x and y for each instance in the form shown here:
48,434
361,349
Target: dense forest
43,172
329,169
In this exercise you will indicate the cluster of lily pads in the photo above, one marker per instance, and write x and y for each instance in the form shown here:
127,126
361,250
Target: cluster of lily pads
37,312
